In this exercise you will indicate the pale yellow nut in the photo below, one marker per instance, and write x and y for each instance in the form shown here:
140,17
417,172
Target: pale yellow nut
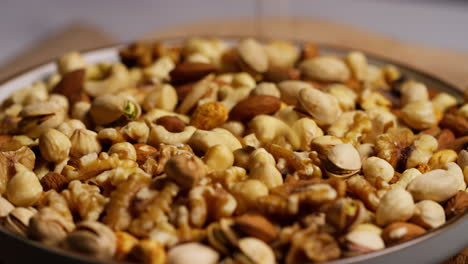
357,62
346,97
263,168
365,240
282,53
306,130
54,145
162,97
253,54
219,157
247,192
412,91
375,168
237,128
429,214
202,140
289,90
243,79
257,250
396,205
437,185
80,110
84,142
406,177
266,88
463,111
424,146
440,158
125,150
24,189
444,101
68,127
192,253
323,107
328,68
420,114
70,61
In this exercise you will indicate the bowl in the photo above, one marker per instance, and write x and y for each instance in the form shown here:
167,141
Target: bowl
435,246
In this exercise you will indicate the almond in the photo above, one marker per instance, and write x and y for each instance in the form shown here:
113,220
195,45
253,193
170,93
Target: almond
455,122
278,74
190,72
457,204
252,106
171,123
400,232
183,90
144,151
445,138
71,86
54,181
256,226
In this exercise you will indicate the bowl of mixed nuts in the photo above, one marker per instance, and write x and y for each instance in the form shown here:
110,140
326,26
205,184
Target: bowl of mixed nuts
208,150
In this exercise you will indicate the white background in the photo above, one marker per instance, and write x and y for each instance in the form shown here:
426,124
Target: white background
442,23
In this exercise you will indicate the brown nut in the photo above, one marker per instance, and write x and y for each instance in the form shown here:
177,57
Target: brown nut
148,251
54,181
71,86
255,105
171,123
125,243
144,151
190,72
458,204
400,232
185,170
256,226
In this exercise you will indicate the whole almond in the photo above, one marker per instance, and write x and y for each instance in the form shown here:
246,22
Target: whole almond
255,105
190,72
400,232
445,138
256,226
71,86
55,181
278,74
171,123
183,90
457,204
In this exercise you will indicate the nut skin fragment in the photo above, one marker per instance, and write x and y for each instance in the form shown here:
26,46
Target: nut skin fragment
256,226
400,232
253,106
210,115
171,123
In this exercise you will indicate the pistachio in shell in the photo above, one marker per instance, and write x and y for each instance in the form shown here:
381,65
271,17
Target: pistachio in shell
342,161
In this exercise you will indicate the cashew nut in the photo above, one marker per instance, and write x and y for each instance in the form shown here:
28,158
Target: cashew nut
270,129
158,134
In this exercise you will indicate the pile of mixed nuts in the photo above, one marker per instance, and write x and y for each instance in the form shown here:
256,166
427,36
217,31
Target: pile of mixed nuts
211,153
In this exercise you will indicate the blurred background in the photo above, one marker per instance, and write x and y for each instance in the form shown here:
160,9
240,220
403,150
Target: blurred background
25,23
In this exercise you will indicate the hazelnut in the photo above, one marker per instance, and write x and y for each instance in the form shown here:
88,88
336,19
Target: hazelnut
83,142
54,145
24,189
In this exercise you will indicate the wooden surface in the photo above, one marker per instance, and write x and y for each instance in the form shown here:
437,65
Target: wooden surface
451,66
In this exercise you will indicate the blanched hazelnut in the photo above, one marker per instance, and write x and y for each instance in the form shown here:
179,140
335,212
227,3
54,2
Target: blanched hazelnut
24,189
396,205
219,157
84,142
54,145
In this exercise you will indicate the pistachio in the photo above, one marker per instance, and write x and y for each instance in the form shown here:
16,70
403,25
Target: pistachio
54,145
17,221
91,238
324,108
255,251
253,54
343,160
192,253
345,213
289,90
38,117
221,236
107,108
363,241
49,227
327,68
